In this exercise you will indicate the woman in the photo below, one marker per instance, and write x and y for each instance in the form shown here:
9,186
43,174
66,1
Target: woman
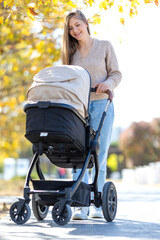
99,59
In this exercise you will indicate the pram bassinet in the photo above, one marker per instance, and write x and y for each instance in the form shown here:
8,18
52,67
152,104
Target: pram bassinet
59,127
57,123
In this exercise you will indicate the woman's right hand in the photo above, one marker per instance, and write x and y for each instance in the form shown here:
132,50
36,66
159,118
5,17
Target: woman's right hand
101,87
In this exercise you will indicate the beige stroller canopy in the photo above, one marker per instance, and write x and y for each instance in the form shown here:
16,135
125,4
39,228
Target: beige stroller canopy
65,84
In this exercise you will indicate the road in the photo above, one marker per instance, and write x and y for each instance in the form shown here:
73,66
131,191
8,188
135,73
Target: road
138,218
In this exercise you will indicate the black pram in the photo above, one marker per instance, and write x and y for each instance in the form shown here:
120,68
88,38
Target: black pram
58,125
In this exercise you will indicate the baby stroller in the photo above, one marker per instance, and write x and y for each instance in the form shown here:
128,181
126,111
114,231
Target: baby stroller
58,125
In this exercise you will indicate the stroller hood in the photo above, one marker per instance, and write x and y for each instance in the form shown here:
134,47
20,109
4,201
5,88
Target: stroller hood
65,84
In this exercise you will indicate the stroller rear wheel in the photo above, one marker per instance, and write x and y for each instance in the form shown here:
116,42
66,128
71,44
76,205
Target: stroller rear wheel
64,217
23,216
109,201
39,211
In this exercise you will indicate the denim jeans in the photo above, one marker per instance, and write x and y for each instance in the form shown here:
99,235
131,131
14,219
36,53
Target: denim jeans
96,109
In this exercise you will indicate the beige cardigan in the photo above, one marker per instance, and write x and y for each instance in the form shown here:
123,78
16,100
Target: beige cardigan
101,63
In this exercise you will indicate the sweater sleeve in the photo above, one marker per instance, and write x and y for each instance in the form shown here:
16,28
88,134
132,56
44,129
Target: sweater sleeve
114,76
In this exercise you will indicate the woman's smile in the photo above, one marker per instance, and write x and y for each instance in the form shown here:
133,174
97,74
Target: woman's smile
77,34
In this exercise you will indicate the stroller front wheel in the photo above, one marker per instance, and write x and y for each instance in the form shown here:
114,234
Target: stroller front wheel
64,217
39,211
23,216
109,201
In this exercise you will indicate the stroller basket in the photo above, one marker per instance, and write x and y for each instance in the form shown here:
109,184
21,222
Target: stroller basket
80,198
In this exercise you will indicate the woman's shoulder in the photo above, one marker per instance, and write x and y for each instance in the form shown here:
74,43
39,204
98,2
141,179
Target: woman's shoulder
102,42
104,45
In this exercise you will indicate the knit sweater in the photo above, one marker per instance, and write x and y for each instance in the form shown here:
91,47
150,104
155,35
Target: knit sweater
101,63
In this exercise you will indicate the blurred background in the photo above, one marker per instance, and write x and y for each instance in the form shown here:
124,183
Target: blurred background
30,40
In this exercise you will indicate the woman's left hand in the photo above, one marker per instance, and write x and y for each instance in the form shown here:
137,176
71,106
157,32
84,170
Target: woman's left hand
101,87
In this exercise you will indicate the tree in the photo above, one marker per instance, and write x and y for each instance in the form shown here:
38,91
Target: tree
155,124
140,143
26,46
30,39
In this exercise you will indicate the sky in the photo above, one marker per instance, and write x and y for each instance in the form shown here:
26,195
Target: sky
137,46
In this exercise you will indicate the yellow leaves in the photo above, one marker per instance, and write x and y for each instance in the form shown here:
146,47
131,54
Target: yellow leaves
5,30
120,9
147,1
151,1
12,103
104,4
21,98
25,32
30,14
128,9
46,2
96,19
122,21
89,2
49,50
55,1
133,11
6,81
1,20
40,45
73,5
15,68
156,2
8,3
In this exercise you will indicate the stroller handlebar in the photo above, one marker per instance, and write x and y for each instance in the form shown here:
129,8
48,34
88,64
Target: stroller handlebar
110,94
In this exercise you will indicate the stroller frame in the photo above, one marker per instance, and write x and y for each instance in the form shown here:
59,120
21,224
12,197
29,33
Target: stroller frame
61,213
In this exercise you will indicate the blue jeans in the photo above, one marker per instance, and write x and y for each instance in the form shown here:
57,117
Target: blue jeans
96,109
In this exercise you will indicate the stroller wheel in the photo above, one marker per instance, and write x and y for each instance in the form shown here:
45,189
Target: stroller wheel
39,211
109,201
23,216
64,217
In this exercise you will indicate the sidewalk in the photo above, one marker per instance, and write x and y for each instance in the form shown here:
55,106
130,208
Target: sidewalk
138,218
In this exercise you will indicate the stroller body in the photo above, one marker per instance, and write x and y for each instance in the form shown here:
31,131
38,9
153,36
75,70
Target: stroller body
58,125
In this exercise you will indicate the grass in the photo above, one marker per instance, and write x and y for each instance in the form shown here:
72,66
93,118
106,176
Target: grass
10,188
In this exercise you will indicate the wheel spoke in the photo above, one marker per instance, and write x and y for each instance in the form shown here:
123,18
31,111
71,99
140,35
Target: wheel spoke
64,217
112,194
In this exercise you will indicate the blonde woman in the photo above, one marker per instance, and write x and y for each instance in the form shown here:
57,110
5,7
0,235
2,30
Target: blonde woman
99,59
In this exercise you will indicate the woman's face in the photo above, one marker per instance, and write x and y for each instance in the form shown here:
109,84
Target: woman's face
77,28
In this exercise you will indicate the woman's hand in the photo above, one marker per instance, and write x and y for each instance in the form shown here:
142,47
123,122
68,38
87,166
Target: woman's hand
101,87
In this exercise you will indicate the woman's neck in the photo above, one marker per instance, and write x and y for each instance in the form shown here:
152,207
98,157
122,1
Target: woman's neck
85,43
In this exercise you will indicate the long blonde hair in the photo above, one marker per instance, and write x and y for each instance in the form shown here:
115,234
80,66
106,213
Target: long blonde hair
69,43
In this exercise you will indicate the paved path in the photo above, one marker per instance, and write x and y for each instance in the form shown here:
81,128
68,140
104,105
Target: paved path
138,218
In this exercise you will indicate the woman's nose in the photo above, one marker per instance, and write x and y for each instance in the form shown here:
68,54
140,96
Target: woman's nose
74,30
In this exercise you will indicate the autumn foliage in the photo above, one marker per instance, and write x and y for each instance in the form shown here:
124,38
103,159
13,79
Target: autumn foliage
30,40
140,143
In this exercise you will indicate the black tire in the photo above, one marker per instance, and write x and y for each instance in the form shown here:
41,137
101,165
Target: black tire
39,211
65,216
109,201
23,216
